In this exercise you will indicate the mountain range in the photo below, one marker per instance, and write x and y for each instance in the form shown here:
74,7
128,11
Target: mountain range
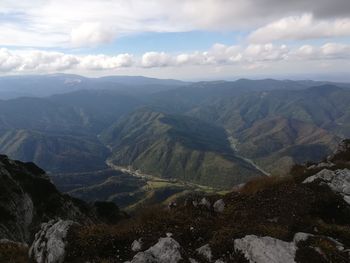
189,135
46,85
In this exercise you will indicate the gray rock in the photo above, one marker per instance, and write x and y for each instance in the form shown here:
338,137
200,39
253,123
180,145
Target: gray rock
269,250
167,250
219,206
338,181
266,249
205,251
136,245
205,202
50,242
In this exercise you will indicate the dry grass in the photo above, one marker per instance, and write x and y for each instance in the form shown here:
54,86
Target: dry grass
12,253
262,183
320,249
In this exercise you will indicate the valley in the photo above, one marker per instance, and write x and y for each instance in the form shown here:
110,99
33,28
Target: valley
233,142
132,144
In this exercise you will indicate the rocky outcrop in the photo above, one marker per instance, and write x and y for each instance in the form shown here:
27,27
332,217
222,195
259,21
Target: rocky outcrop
167,250
271,250
16,205
266,249
50,242
338,181
28,199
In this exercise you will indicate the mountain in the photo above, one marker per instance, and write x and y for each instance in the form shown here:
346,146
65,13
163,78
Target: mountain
60,132
55,152
176,147
281,124
183,99
51,84
140,81
39,114
46,85
79,112
303,217
277,143
245,125
324,106
98,109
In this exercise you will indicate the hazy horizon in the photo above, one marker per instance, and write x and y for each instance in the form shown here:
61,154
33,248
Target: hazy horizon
328,78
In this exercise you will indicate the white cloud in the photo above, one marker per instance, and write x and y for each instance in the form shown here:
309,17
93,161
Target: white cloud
335,50
8,62
88,34
301,27
46,61
221,54
329,51
252,56
266,52
100,62
156,59
38,61
195,58
66,23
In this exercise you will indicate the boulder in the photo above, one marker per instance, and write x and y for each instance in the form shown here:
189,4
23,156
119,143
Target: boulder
166,250
338,181
49,245
219,206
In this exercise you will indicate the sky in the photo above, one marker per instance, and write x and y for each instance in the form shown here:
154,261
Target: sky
183,39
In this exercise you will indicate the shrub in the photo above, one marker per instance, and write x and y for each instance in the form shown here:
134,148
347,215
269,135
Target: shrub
261,183
13,253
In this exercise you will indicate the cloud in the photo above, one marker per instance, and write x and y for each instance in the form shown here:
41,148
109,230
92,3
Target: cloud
101,62
252,56
67,23
8,62
156,59
221,54
38,61
46,61
329,51
266,52
91,34
301,27
258,54
195,58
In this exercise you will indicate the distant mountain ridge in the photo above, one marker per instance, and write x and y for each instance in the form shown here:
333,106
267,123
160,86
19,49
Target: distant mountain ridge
46,85
274,120
270,122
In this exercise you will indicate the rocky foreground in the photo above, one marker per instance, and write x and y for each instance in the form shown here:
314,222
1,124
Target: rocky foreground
303,217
